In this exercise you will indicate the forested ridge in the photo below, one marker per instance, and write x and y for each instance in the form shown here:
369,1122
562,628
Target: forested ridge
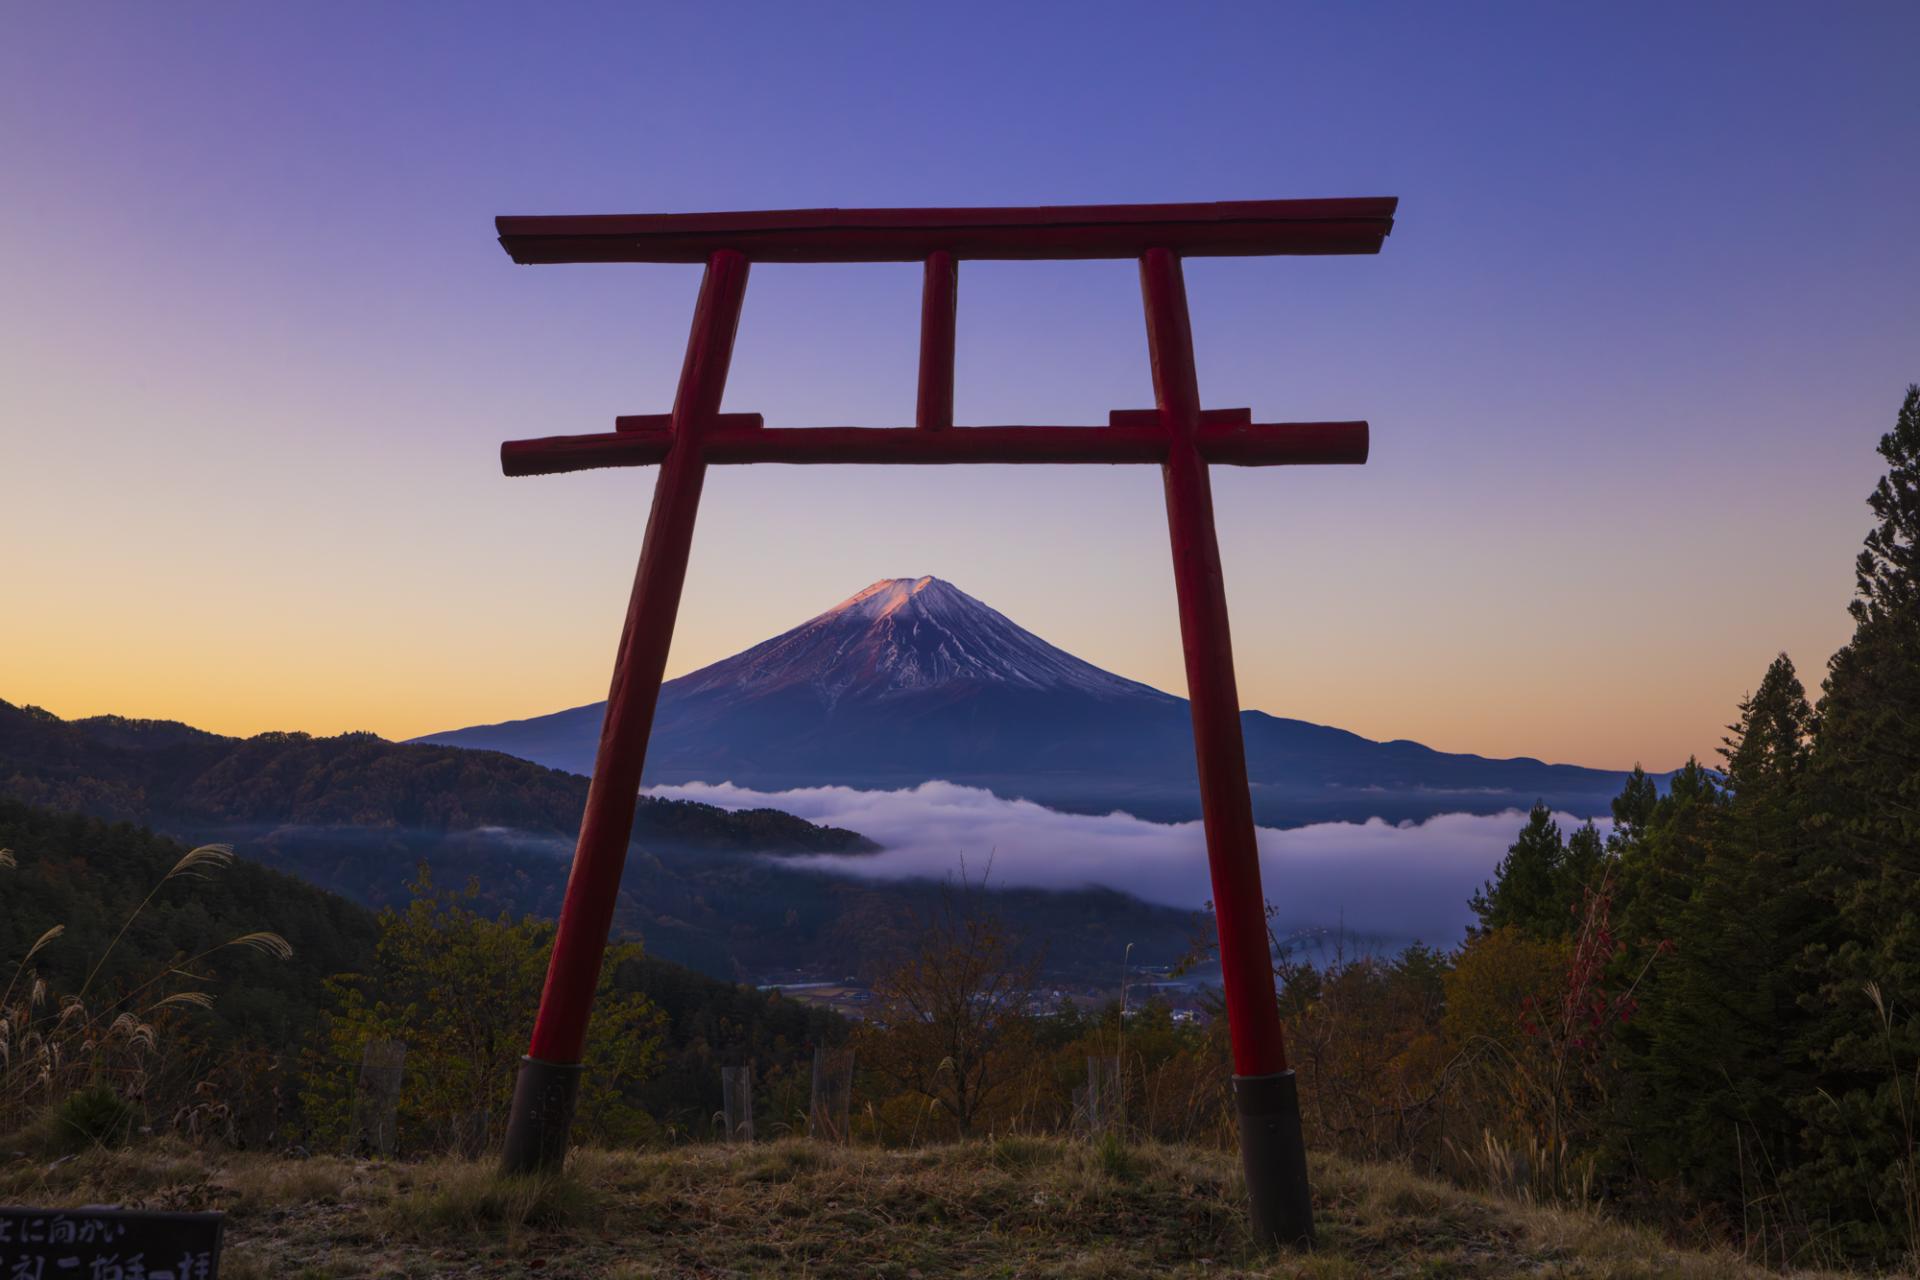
163,774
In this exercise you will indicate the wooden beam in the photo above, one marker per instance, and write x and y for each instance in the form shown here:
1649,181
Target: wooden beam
1233,443
661,421
938,300
1234,229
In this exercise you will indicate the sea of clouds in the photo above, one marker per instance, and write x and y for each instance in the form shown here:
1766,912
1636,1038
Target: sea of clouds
1378,882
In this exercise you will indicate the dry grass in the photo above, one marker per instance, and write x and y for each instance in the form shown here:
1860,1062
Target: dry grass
1017,1207
67,1065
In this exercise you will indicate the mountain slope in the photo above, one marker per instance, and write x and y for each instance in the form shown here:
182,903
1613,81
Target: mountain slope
357,815
186,780
913,679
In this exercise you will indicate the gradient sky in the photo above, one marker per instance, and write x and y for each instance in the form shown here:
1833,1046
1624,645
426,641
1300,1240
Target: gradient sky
1649,303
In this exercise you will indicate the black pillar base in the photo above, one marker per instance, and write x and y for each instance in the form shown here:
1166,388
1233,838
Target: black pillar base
1275,1156
543,1099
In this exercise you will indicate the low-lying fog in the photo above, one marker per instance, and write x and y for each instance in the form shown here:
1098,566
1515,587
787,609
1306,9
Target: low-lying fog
1373,880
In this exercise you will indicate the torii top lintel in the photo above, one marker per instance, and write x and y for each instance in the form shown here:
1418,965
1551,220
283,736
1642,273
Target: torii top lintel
939,238
1237,228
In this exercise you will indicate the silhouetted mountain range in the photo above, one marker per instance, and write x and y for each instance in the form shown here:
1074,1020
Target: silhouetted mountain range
913,679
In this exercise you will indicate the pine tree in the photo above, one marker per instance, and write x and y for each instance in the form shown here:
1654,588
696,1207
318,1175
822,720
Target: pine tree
1633,810
1526,889
1660,852
1766,750
1542,883
1582,865
1713,1081
1660,843
1864,860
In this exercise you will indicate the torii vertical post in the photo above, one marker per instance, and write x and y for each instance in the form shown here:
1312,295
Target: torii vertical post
549,1080
1271,1144
1177,434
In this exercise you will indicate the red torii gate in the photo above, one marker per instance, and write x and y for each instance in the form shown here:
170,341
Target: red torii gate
1177,434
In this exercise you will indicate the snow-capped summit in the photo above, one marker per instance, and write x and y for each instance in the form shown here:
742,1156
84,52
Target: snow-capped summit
907,634
888,594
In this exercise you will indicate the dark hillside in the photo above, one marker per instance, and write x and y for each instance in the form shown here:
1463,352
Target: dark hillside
90,875
177,778
357,815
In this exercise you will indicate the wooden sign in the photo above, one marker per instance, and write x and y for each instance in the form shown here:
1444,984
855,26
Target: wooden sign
108,1244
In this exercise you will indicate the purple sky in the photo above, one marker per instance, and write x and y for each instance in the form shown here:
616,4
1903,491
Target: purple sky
1650,301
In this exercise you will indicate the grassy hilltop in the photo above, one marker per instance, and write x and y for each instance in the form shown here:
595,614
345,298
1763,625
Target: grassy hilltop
1015,1207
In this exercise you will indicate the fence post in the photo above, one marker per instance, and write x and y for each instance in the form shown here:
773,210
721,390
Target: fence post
832,1094
376,1098
736,1101
1106,1103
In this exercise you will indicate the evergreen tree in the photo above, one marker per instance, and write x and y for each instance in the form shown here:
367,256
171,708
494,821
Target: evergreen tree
1659,856
1864,860
1527,887
1766,750
1713,1081
1582,865
1632,811
1660,843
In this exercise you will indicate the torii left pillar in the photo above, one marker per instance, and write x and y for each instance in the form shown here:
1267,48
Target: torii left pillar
549,1080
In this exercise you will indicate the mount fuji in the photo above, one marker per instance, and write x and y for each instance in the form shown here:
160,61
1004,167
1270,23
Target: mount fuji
913,680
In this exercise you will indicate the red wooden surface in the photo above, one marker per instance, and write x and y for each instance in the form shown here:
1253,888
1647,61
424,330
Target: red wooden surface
1233,859
586,913
1233,443
938,299
663,421
1243,227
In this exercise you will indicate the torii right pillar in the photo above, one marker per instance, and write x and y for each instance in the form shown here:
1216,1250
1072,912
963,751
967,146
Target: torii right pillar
1264,1091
